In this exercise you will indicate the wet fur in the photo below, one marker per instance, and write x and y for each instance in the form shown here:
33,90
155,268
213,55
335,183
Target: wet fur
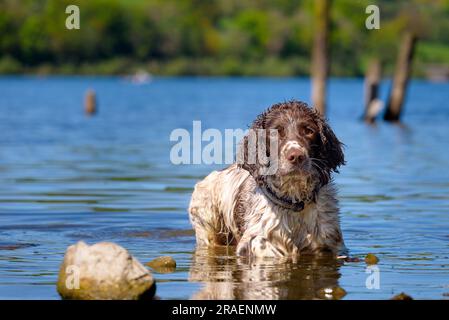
228,207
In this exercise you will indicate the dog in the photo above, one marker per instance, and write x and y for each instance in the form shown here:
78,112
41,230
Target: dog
289,211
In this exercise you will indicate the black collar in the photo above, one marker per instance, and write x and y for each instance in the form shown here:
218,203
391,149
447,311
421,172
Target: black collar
284,202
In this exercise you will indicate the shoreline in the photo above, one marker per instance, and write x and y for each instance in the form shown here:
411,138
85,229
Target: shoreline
189,67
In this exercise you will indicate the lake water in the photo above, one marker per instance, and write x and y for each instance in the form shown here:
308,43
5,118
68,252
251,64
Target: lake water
66,177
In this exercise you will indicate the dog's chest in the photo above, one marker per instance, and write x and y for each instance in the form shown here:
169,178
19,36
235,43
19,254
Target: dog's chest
249,214
256,216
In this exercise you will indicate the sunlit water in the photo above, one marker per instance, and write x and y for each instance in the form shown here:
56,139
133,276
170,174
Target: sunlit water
66,177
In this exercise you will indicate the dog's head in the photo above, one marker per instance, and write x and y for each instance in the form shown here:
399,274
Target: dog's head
305,148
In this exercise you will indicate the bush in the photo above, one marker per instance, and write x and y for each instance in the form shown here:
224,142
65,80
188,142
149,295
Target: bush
9,65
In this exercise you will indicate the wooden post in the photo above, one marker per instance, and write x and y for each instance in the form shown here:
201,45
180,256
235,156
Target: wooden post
320,55
373,104
401,77
90,102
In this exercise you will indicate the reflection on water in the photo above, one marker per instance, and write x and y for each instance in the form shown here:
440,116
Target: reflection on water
65,177
226,276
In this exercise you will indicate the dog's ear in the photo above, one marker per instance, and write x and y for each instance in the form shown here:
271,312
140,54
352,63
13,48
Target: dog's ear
331,148
244,156
248,158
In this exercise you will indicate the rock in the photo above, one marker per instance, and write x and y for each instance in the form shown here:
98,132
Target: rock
371,259
103,271
334,293
402,296
165,264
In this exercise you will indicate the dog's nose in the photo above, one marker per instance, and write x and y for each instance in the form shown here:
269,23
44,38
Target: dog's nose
295,155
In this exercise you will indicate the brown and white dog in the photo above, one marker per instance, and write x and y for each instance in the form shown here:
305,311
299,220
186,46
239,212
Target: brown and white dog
287,212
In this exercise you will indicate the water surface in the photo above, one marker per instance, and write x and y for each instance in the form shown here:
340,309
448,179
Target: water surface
66,177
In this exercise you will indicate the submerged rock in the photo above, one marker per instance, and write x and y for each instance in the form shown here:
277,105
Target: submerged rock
103,271
371,259
402,296
165,264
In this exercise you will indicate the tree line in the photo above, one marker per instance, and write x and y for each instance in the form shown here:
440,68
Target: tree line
211,37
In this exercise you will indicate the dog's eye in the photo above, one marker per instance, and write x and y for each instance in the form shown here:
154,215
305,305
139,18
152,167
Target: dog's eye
308,131
280,131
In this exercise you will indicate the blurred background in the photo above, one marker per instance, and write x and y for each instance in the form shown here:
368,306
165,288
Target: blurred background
223,37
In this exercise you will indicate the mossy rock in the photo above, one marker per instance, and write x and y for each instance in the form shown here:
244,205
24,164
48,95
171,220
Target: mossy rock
371,259
164,264
402,296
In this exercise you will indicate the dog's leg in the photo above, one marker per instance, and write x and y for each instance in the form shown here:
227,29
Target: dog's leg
204,212
259,246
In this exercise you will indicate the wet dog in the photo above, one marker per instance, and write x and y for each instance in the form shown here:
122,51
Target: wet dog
289,210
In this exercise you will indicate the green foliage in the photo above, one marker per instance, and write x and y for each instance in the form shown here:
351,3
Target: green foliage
221,37
9,65
433,52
